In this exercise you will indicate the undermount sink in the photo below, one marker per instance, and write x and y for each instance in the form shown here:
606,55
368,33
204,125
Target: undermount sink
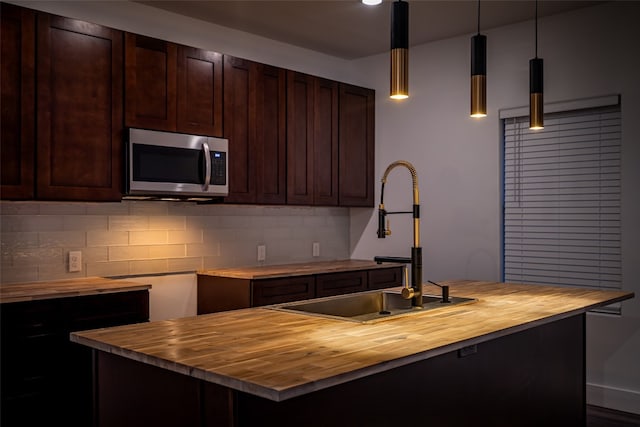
367,306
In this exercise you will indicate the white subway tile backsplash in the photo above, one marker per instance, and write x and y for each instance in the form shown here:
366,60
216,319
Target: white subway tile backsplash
128,223
85,222
148,266
117,208
154,237
56,208
129,238
107,238
185,236
167,223
108,269
47,239
184,264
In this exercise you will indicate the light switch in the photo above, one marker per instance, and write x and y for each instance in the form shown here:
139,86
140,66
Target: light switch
262,252
316,249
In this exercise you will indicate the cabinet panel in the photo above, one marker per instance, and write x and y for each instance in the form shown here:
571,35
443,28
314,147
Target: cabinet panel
325,142
199,92
384,278
79,118
151,83
340,283
299,138
356,153
275,291
270,135
17,42
239,108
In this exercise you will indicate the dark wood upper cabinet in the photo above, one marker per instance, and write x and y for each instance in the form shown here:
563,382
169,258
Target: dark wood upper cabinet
239,108
254,123
79,110
18,45
299,138
173,88
151,68
325,142
312,140
356,152
270,134
199,91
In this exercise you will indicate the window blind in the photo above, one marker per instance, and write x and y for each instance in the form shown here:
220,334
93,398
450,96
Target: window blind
561,218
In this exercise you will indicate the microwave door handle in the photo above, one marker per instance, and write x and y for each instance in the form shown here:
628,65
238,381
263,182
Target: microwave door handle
207,166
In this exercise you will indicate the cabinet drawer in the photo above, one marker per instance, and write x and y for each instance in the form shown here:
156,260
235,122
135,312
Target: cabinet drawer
340,283
276,291
385,278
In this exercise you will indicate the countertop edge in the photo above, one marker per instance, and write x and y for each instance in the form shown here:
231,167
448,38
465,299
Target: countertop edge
279,395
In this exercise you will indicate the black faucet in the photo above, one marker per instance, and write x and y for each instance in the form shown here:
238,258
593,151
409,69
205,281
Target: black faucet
413,292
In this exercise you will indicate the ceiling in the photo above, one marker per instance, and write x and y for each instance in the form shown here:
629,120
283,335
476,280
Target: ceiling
349,29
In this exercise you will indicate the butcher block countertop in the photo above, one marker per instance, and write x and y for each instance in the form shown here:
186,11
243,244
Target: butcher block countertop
279,355
32,291
297,269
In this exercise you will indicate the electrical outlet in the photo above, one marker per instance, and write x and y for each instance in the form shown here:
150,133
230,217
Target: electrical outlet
316,249
262,252
75,261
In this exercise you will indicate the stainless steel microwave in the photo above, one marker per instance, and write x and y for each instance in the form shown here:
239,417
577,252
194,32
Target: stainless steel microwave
175,165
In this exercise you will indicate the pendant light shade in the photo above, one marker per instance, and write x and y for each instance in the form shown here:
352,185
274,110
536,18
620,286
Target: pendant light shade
536,102
400,50
478,73
478,76
536,85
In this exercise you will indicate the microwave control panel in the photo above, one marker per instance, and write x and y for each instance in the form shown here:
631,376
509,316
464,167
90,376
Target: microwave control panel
218,168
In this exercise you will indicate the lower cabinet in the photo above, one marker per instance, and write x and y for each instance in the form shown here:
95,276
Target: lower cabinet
216,293
47,379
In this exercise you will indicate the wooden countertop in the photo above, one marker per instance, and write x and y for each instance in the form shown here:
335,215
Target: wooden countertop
32,291
298,269
279,355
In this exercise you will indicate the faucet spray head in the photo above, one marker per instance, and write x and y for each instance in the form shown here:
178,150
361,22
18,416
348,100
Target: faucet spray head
382,231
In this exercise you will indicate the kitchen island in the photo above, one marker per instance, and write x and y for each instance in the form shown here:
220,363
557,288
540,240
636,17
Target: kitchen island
516,356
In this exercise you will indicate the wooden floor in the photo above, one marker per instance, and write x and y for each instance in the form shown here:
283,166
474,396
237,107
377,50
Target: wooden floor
603,417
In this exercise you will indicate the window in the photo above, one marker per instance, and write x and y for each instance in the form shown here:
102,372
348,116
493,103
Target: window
561,218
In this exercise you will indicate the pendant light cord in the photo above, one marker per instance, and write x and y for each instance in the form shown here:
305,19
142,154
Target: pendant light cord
536,28
478,16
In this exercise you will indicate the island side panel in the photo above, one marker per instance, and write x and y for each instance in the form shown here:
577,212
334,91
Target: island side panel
132,394
530,378
222,293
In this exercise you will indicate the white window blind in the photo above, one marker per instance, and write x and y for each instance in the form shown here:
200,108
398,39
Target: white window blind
562,199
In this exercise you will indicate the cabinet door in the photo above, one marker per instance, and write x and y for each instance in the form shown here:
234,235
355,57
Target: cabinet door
384,278
79,117
325,142
276,291
239,108
340,283
356,153
150,83
199,91
300,88
18,45
270,135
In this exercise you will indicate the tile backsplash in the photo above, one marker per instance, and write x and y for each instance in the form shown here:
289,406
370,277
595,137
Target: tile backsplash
137,238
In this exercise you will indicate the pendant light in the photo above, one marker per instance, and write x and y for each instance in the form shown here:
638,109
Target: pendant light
479,73
400,50
536,106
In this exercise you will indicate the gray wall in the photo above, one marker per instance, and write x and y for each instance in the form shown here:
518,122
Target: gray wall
588,52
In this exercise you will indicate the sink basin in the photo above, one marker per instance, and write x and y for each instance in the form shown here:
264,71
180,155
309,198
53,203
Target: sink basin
366,306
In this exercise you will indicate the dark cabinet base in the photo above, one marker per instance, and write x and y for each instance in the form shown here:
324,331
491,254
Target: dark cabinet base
527,378
46,379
